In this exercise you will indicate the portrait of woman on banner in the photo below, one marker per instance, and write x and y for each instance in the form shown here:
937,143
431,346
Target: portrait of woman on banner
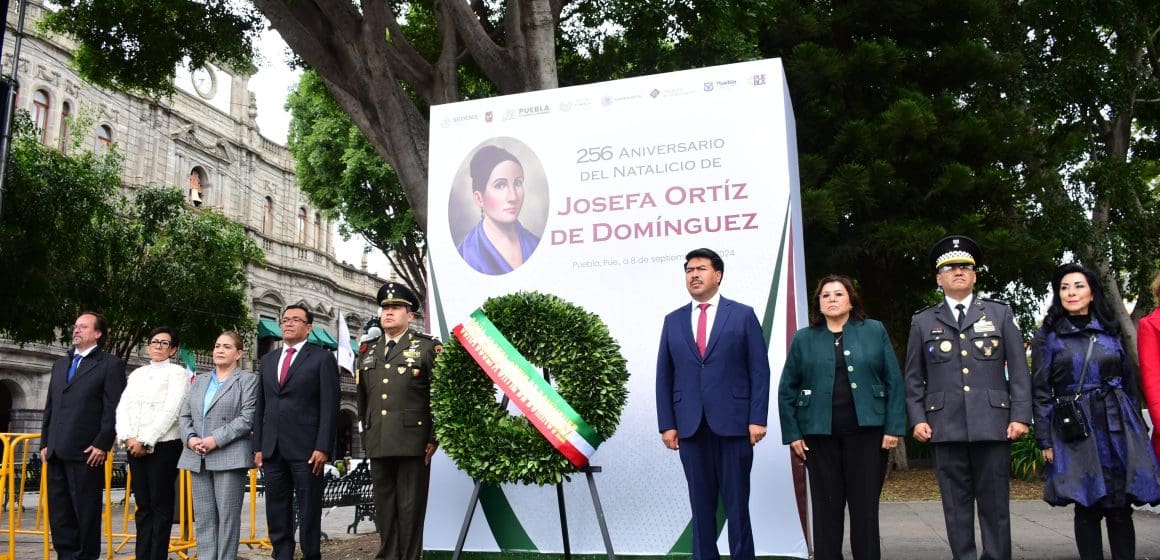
501,185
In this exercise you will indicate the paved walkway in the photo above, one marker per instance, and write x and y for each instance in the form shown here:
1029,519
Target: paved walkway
910,531
915,531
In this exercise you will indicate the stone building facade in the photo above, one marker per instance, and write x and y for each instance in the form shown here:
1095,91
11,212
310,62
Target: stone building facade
206,140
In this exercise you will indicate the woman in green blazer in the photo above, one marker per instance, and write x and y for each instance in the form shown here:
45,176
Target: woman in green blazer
841,405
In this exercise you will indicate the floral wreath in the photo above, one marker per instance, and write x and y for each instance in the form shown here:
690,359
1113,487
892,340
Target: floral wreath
585,366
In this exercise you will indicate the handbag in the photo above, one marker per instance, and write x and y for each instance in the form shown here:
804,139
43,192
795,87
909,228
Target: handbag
1068,416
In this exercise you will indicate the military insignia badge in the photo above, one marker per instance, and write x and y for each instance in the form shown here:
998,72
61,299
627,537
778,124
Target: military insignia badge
984,326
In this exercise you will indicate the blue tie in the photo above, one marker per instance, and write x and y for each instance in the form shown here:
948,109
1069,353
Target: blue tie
72,370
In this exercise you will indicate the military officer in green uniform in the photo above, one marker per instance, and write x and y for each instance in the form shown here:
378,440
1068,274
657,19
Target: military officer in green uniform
968,393
394,402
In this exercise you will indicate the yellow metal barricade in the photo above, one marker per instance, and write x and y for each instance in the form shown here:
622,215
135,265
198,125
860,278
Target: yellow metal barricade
14,476
15,466
253,541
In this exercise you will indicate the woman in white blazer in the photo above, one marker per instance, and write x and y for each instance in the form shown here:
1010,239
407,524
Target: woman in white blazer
147,431
216,422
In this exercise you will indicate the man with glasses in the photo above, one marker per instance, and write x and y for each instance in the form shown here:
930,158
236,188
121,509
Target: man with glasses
958,397
77,432
295,428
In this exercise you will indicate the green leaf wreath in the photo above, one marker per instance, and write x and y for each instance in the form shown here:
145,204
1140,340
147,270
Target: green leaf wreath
584,364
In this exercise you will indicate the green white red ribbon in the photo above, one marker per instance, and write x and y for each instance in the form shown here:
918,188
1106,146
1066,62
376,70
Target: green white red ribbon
519,380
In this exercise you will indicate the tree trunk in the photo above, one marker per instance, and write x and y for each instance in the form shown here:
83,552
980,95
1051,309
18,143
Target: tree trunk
371,69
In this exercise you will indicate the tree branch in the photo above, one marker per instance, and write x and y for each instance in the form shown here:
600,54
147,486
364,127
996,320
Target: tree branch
497,63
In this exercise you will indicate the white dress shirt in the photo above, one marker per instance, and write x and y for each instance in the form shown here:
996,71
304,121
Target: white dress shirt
953,303
710,316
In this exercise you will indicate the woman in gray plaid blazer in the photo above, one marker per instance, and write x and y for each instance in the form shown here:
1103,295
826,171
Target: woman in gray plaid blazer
216,421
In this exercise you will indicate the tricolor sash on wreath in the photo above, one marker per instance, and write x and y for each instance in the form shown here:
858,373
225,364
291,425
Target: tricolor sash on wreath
519,380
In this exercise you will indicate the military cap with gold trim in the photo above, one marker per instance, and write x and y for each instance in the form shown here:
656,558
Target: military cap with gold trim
955,249
394,293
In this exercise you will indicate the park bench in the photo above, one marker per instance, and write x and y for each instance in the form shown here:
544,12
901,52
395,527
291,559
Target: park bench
354,489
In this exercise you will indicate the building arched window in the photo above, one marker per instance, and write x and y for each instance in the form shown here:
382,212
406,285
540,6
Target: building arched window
268,216
104,139
40,113
302,225
65,114
196,189
319,239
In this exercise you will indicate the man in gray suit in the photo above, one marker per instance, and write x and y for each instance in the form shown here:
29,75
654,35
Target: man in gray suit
394,402
959,356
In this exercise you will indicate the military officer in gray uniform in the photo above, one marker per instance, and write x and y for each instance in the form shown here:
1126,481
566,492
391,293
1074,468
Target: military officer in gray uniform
968,392
394,402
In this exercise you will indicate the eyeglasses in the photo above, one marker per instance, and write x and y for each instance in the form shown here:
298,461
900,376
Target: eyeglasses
292,320
161,343
951,267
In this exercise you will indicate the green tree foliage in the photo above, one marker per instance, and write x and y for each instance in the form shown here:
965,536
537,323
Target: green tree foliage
70,241
905,131
1092,88
340,172
118,41
47,238
1030,126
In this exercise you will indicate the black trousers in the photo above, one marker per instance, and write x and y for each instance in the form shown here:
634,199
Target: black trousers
284,479
74,508
971,473
1089,538
846,470
153,491
400,505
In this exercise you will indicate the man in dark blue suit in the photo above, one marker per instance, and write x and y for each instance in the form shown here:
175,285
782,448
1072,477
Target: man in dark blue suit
294,433
76,435
712,402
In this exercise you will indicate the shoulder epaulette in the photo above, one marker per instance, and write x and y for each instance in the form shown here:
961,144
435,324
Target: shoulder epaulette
925,308
993,300
427,336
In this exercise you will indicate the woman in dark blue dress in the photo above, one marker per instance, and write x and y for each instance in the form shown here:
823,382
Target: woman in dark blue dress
1113,468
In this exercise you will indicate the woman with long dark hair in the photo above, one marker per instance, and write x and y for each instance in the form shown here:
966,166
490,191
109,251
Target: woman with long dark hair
841,402
1084,378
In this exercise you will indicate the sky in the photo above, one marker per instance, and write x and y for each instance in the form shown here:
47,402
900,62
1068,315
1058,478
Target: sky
272,84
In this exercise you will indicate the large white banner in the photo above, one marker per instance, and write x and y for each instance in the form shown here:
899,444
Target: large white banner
615,182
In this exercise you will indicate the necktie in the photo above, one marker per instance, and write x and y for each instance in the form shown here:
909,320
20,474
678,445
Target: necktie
702,323
285,366
72,370
390,346
962,314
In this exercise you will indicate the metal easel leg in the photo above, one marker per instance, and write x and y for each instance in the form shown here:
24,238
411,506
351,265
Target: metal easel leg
467,521
599,510
563,521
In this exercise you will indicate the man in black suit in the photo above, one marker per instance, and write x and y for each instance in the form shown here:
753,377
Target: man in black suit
77,432
295,432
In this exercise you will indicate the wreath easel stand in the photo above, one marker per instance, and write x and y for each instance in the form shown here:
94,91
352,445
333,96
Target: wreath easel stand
590,375
588,471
